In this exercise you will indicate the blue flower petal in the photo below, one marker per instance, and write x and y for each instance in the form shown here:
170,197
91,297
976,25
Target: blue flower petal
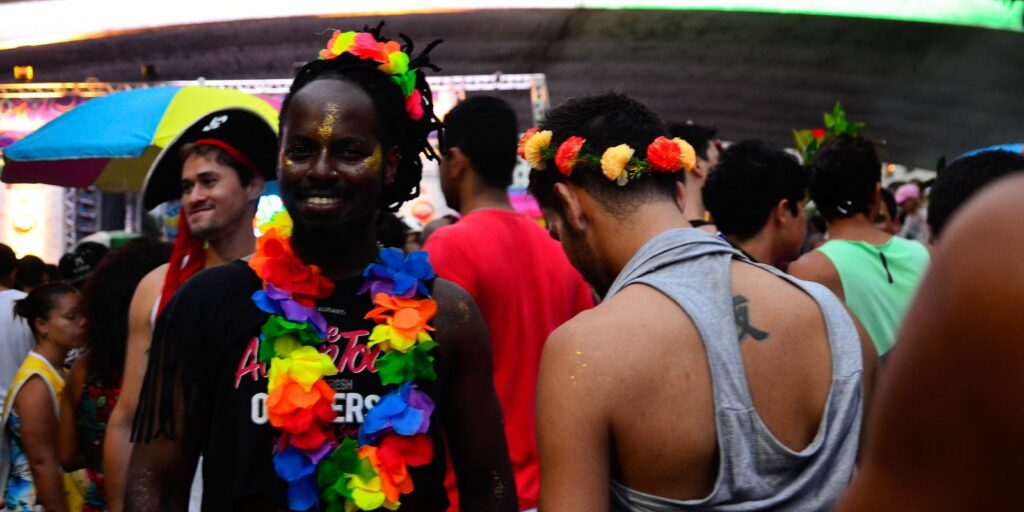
265,303
302,494
407,422
292,465
392,257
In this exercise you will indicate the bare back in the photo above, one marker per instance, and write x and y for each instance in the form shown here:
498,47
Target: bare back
638,364
671,448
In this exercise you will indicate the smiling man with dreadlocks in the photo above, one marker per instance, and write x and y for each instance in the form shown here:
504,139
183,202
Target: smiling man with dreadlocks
326,373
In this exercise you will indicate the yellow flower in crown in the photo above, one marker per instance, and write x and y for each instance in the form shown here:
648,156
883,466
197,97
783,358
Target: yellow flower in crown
687,155
339,43
534,148
613,162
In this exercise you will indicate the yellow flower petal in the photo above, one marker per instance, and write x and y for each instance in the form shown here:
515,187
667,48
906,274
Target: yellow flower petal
280,221
687,155
305,365
614,160
533,148
366,495
343,42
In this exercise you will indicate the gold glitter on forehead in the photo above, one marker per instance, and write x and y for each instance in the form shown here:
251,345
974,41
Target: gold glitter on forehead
326,128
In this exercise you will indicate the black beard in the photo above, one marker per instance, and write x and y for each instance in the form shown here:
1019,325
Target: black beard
324,242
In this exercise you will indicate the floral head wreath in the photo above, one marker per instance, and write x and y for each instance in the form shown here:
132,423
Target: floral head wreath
618,163
393,59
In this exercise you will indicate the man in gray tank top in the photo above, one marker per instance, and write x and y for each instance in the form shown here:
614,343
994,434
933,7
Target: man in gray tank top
703,381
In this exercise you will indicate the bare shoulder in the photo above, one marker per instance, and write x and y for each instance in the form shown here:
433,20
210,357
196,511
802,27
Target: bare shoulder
622,333
455,307
149,288
461,330
815,266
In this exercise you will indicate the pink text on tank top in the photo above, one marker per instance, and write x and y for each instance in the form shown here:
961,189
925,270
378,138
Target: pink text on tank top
356,357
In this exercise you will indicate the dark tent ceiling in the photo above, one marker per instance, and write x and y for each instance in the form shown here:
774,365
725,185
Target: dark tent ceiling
925,90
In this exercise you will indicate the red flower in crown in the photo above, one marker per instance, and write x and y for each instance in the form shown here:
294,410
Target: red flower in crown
366,46
568,151
522,142
818,133
663,155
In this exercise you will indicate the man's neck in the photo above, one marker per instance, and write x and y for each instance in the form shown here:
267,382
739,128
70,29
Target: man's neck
620,239
484,198
858,229
238,244
759,247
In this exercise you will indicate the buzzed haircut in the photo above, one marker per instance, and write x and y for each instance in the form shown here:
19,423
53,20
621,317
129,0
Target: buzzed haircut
962,178
604,120
750,179
844,173
486,130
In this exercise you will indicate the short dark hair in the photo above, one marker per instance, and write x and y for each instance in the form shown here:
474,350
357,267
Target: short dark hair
31,272
40,302
844,173
962,178
8,260
218,155
485,129
751,177
604,120
697,135
398,129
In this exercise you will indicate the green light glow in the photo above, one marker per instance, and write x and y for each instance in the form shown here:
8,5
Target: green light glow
994,14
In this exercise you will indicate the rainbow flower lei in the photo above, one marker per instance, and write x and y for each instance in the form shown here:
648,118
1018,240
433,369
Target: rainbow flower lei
351,474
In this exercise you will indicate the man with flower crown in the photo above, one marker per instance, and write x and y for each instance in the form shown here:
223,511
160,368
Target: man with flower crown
702,381
325,372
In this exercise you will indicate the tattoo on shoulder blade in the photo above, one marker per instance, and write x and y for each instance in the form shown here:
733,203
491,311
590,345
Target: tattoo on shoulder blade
742,314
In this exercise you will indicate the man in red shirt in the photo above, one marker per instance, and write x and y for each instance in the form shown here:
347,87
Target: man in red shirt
516,273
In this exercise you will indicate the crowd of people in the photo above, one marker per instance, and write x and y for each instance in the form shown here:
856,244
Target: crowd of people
700,326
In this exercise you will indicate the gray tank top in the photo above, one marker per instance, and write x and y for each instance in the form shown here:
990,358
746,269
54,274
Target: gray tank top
756,471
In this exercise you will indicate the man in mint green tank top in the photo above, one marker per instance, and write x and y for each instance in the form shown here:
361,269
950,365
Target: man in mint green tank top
875,273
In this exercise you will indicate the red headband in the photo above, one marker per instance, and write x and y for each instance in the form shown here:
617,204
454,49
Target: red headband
234,152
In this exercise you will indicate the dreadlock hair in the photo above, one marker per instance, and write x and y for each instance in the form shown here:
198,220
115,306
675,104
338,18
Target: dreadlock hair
604,120
106,297
411,136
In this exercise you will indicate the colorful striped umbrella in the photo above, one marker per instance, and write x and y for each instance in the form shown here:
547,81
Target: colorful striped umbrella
111,141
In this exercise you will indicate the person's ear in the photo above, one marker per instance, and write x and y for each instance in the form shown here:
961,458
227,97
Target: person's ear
458,164
569,198
390,165
782,213
41,327
254,189
681,195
